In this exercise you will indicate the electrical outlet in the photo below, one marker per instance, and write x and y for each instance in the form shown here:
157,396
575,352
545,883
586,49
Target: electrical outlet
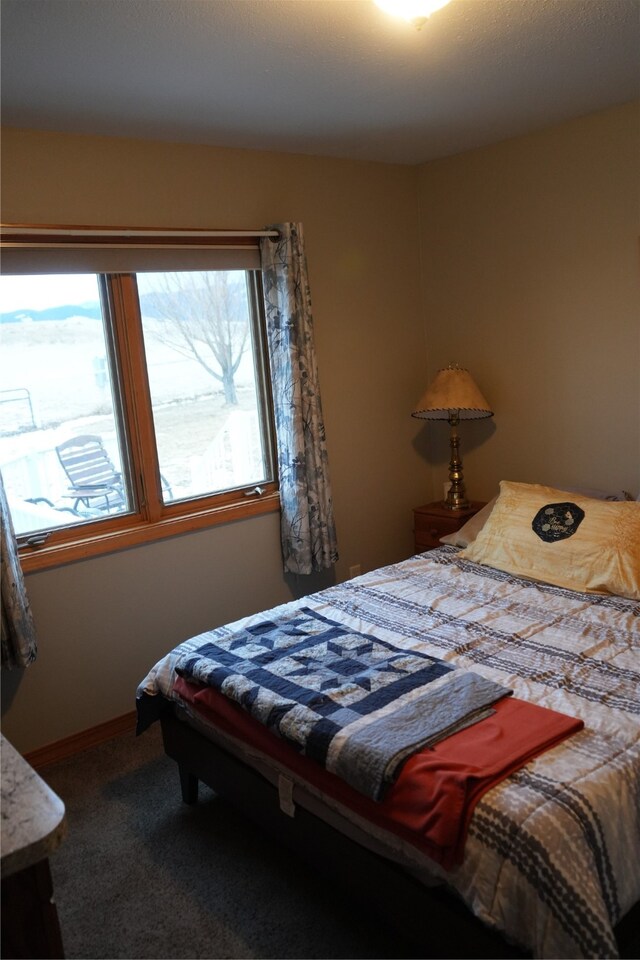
354,571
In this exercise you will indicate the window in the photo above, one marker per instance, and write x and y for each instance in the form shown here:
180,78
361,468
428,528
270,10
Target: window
133,402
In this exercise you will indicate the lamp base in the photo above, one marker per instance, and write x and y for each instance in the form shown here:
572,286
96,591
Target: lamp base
456,498
454,501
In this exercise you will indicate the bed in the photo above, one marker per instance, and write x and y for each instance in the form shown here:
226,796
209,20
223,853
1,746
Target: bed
512,832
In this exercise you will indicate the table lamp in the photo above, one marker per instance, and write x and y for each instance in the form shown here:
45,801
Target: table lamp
453,395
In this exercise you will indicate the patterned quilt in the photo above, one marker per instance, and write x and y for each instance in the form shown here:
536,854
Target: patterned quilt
552,858
356,704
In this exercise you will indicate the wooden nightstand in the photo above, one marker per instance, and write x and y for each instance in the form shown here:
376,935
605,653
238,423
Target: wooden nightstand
434,520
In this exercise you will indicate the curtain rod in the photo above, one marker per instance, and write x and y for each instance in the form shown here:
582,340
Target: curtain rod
25,245
40,230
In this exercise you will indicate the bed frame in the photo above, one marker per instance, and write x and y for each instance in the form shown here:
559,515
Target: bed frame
431,916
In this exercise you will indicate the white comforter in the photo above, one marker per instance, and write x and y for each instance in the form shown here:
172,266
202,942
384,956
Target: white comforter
553,854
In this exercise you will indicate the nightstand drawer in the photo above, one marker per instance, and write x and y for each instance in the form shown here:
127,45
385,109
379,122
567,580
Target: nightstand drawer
434,520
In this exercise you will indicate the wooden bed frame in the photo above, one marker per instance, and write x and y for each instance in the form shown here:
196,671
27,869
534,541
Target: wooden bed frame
439,923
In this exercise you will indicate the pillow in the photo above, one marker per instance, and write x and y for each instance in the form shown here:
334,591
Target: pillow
595,494
562,538
470,530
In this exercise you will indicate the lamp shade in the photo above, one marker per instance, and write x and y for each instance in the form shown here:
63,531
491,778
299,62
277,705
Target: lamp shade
453,393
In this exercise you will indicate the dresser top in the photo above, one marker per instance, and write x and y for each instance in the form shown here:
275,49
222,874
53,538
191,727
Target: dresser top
33,816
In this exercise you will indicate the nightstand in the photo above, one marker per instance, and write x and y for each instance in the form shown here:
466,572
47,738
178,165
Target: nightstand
434,520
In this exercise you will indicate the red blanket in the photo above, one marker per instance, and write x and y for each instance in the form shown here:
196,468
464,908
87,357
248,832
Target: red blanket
431,802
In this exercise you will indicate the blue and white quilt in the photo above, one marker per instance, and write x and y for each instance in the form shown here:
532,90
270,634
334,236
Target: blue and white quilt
354,703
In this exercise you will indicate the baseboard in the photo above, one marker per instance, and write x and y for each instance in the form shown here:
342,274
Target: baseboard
69,746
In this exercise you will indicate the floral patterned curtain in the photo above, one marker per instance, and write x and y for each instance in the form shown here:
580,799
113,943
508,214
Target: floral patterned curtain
307,523
17,631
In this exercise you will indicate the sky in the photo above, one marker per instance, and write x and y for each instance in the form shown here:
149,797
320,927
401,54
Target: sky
40,292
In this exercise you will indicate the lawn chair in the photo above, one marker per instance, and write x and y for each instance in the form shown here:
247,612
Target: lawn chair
95,482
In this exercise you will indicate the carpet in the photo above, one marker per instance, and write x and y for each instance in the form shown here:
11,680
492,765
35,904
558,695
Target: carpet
141,874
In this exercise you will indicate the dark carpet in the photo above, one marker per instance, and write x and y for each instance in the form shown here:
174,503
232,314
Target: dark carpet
141,874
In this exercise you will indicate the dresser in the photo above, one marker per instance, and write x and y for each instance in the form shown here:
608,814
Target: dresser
434,520
33,825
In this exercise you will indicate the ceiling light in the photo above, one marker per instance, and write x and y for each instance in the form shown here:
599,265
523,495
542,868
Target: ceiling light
415,11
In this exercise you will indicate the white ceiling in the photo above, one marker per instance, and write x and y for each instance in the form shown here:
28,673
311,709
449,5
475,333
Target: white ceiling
330,77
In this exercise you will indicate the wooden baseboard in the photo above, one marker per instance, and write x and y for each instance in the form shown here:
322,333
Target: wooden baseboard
69,746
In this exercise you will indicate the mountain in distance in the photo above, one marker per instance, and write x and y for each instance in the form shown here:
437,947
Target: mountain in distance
90,310
64,312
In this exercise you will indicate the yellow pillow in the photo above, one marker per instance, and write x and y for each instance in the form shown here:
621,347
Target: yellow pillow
563,538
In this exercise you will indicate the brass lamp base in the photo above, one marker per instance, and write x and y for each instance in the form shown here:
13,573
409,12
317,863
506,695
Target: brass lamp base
454,502
456,497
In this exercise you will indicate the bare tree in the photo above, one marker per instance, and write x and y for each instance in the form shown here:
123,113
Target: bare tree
203,316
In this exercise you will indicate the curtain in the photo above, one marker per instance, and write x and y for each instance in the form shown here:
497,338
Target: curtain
307,524
17,630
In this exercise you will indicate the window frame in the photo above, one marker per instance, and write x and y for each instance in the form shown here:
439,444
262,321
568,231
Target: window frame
150,519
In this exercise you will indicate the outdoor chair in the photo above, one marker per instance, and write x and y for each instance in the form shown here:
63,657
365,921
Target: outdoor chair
95,482
52,506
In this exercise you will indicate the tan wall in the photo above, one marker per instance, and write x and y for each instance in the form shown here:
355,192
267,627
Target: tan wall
530,263
103,623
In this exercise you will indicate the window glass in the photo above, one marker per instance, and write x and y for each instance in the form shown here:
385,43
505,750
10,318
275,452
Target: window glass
56,385
135,401
203,359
